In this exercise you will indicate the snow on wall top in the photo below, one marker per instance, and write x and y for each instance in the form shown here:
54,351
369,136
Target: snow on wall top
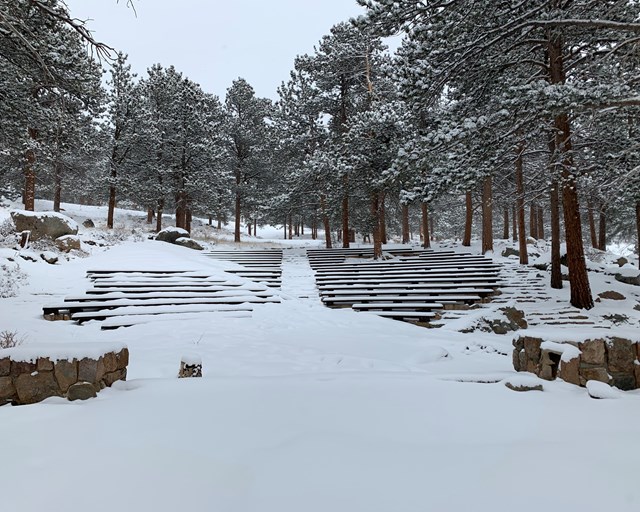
60,351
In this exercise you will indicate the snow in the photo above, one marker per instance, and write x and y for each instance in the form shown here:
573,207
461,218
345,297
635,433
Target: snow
60,351
305,408
598,389
568,352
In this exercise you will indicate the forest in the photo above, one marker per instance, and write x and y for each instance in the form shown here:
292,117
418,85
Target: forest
511,119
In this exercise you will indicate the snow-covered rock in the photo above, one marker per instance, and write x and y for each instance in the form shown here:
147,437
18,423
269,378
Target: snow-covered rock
171,234
44,224
190,243
68,243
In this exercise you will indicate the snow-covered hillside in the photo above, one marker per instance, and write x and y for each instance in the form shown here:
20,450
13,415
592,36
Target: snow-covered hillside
304,408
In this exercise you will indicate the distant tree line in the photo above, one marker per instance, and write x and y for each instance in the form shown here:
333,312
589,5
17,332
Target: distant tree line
524,112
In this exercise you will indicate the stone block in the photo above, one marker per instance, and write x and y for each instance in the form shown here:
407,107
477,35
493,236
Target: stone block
110,362
624,381
44,364
20,367
32,388
122,358
620,355
90,370
7,390
523,360
516,360
111,377
5,366
66,373
595,373
532,348
570,371
81,391
524,387
593,352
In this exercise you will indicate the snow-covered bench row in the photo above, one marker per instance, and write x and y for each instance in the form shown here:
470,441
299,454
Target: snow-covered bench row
135,294
412,287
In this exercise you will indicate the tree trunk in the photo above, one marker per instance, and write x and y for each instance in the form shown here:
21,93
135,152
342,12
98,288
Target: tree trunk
602,232
249,224
578,275
468,219
181,210
57,185
426,242
382,217
556,269
290,227
487,216
345,214
159,217
219,226
188,218
150,215
325,221
533,221
255,227
638,230
30,175
376,217
592,225
522,236
514,223
284,226
405,223
238,209
540,217
505,230
210,220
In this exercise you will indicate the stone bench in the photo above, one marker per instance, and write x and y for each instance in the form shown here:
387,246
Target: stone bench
33,373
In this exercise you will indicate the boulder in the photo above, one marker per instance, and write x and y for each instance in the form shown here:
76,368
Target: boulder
622,261
510,251
81,391
49,257
44,224
611,295
68,243
7,390
171,234
28,255
189,243
88,224
632,280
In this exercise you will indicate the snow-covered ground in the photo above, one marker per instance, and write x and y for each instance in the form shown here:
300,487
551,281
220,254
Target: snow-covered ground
303,408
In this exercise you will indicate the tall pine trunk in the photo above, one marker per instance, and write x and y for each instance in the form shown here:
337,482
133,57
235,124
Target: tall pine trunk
533,221
426,239
514,223
382,217
592,225
150,215
638,230
578,275
159,217
556,265
325,222
30,174
57,185
505,230
540,218
405,223
602,231
345,216
468,219
376,217
522,236
237,212
487,215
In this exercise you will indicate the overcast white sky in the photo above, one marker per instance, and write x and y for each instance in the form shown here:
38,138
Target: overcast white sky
214,42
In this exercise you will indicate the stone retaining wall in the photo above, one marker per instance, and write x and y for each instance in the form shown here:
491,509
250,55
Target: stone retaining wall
32,380
613,360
